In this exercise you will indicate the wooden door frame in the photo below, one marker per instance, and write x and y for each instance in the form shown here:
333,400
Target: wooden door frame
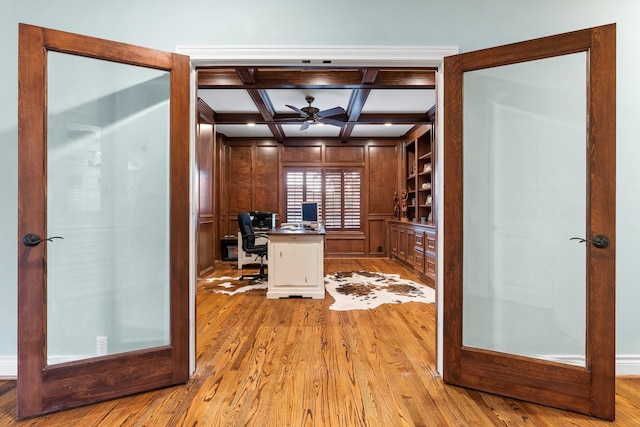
46,388
407,56
481,369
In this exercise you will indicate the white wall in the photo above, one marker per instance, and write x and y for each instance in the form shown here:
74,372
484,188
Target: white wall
469,24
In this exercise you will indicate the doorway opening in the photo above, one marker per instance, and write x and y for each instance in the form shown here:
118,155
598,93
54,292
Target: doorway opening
430,58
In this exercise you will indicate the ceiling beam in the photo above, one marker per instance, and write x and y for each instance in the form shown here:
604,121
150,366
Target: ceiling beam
356,102
262,102
232,78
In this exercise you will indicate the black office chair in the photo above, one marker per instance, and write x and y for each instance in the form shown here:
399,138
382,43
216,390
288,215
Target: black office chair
250,247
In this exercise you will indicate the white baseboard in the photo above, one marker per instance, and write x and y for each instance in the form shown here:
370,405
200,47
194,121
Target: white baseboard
8,368
625,365
9,365
628,365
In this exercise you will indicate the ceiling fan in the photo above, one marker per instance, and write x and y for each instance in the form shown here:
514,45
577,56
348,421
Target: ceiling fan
312,115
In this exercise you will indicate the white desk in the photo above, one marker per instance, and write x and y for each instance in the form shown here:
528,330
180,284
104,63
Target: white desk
296,264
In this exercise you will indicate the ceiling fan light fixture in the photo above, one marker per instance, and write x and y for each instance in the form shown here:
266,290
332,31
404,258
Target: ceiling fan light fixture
312,115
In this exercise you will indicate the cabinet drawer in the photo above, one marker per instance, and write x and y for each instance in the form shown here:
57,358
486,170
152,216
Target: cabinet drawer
431,242
419,242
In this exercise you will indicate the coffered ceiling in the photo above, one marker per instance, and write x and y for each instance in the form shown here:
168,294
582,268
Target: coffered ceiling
375,102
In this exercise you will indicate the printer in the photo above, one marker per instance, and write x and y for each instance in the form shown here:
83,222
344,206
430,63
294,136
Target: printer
263,220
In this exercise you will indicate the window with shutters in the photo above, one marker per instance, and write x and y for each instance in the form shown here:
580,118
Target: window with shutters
336,189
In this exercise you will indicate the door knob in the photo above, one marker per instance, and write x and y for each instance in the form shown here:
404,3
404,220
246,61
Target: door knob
599,241
32,240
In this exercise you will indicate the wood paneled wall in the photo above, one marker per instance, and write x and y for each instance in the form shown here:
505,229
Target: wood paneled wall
253,180
382,175
250,181
207,237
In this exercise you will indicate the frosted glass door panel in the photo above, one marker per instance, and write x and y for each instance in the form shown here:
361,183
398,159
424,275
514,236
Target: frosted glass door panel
524,197
108,197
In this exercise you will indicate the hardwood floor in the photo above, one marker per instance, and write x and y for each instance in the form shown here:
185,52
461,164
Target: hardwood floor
296,363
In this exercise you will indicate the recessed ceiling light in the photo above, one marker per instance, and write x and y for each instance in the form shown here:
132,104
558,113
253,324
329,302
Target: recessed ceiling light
387,124
251,124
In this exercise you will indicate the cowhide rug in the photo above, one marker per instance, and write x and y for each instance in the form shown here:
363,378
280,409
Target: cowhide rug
231,285
353,290
364,290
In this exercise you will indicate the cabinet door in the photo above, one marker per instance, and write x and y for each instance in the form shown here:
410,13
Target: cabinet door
402,243
301,274
418,261
393,240
411,239
430,266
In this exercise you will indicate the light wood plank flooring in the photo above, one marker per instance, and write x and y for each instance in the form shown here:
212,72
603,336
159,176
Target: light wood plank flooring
296,363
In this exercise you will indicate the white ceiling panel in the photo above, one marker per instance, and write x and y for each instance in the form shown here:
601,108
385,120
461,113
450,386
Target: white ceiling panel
325,131
399,101
241,131
228,100
393,131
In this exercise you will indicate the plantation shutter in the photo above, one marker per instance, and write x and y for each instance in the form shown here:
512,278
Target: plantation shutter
333,200
314,189
339,208
295,195
351,210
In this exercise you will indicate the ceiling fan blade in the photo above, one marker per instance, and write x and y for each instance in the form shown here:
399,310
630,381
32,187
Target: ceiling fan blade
297,110
331,122
335,111
305,125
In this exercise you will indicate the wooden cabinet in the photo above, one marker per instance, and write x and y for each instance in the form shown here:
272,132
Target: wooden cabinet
419,173
414,245
429,267
413,242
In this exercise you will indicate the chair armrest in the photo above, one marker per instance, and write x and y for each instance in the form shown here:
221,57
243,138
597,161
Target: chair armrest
256,235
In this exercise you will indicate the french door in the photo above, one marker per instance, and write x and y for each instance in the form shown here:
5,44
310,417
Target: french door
529,220
103,306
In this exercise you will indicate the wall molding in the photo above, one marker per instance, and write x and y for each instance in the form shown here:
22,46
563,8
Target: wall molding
628,365
8,368
317,56
9,365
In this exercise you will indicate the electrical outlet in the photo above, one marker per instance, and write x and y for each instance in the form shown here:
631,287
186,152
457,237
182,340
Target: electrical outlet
101,346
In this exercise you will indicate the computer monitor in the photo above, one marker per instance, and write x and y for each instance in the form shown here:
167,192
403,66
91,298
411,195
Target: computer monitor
310,213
